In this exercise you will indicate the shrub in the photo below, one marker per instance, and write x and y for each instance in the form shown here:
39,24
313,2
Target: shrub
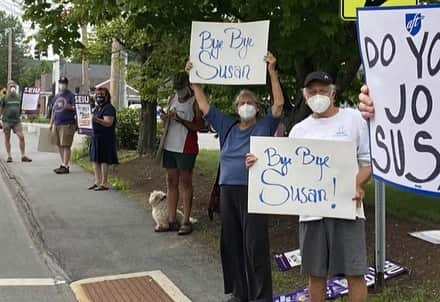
127,128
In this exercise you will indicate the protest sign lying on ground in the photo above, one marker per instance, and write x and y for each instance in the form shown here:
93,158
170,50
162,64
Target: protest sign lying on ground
288,260
302,177
29,101
229,53
400,50
338,286
432,236
84,115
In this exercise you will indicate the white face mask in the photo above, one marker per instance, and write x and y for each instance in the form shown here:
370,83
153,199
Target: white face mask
319,103
13,90
247,112
63,87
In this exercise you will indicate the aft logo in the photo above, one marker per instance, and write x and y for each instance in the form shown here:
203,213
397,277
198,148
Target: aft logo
413,23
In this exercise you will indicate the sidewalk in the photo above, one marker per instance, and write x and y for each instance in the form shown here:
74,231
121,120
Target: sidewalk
92,234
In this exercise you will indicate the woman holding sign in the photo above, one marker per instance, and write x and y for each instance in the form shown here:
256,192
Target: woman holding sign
103,142
244,240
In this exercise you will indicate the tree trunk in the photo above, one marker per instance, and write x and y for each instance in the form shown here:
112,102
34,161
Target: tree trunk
147,128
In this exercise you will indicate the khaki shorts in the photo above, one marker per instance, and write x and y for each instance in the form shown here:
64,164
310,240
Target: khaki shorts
16,127
62,135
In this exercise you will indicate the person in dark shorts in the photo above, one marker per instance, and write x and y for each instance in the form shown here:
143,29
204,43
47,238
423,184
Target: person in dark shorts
10,111
102,150
63,124
182,121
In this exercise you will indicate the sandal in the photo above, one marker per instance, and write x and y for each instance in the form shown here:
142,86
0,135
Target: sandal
185,229
172,227
92,187
101,188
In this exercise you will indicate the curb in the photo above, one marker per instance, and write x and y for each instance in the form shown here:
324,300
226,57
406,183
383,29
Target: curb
31,223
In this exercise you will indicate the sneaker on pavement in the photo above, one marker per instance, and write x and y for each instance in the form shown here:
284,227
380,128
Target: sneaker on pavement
26,159
9,159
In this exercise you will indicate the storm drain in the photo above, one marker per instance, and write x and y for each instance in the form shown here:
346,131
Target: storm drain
139,287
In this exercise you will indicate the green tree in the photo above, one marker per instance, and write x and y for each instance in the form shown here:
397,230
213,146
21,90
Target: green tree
32,71
18,47
304,35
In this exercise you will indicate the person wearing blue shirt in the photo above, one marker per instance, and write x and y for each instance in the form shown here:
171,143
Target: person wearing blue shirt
244,241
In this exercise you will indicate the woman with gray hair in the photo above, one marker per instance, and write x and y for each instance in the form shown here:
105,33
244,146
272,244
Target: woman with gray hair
244,241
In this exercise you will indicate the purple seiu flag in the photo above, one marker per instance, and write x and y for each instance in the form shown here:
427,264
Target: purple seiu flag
338,286
84,116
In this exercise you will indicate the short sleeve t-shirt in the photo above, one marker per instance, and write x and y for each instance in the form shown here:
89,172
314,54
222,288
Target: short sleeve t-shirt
63,116
235,146
106,109
11,107
346,125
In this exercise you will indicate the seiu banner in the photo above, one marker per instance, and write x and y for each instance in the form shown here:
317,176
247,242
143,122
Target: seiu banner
229,53
400,50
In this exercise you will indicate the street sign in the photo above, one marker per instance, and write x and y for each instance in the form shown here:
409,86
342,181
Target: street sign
348,7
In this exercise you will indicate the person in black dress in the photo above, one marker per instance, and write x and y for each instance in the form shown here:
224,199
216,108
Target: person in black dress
103,141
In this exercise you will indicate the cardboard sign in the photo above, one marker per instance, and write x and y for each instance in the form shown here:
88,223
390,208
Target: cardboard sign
45,141
338,286
84,115
432,236
302,177
29,103
229,53
400,50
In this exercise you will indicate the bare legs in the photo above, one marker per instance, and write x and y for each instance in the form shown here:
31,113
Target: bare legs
101,173
182,177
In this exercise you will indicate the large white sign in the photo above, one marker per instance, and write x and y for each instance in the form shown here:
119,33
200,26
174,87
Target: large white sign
303,177
229,53
401,56
30,99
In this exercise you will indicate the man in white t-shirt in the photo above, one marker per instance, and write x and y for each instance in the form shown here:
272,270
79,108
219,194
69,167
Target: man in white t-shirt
332,246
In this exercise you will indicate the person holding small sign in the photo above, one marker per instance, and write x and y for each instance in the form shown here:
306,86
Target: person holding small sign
244,241
10,112
103,141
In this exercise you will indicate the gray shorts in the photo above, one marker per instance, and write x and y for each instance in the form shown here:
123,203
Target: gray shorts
332,247
16,127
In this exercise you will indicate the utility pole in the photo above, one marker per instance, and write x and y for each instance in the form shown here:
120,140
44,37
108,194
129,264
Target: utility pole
10,54
85,64
115,73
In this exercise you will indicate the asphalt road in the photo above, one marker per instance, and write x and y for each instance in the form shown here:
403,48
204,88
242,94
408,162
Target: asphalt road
24,275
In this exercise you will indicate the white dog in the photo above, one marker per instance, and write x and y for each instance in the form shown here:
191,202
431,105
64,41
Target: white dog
159,211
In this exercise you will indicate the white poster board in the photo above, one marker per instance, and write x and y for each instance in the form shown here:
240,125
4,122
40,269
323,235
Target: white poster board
30,98
302,177
229,53
400,50
84,116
